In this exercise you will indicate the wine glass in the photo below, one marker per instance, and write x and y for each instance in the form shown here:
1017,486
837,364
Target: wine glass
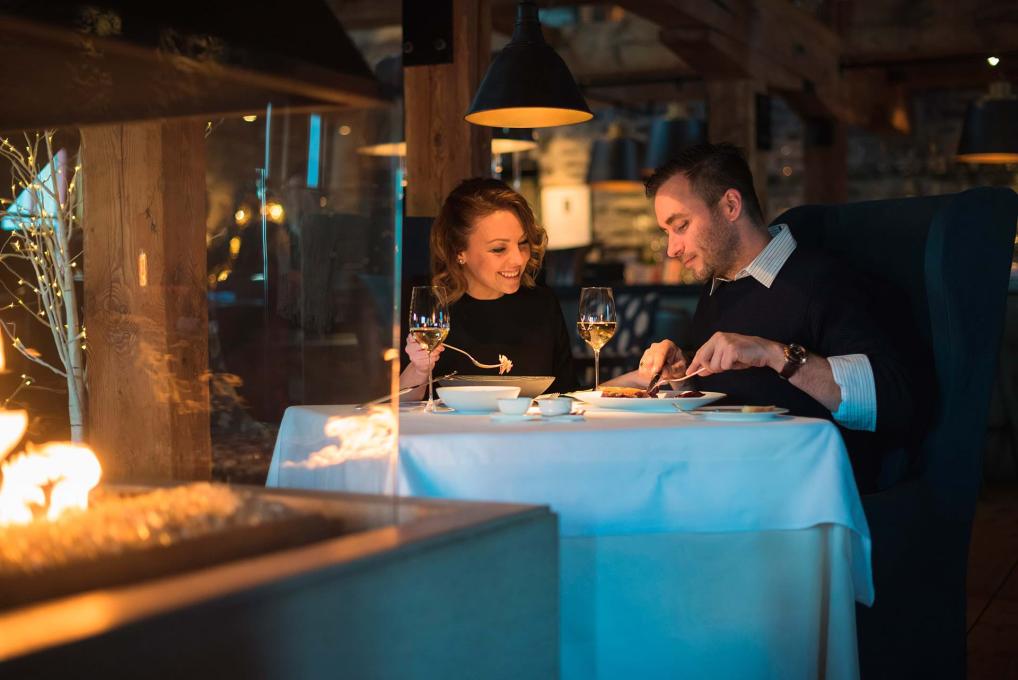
429,324
596,322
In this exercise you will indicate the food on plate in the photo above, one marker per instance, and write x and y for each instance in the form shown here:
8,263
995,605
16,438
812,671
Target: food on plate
757,409
624,393
689,394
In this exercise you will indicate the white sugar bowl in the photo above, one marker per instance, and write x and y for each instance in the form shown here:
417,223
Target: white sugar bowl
559,406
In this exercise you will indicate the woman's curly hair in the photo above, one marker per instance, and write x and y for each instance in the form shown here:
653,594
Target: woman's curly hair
470,201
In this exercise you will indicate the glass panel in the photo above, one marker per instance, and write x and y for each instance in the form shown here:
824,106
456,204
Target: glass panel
301,233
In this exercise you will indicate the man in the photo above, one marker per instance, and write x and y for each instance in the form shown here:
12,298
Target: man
775,324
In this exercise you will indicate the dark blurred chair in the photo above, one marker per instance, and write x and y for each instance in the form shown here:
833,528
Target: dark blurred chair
939,269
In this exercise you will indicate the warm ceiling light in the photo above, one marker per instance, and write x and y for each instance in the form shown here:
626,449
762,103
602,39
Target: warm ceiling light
512,140
528,85
990,132
506,140
249,119
241,217
992,61
387,149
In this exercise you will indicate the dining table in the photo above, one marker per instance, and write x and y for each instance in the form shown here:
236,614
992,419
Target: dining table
689,548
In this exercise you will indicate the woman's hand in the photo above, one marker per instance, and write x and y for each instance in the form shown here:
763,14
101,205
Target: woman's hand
662,356
420,361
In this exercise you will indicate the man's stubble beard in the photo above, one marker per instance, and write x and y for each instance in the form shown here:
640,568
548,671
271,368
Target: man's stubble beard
718,248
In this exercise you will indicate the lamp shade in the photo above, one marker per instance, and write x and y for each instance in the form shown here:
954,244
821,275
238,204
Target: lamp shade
668,136
615,164
511,140
528,85
504,140
990,133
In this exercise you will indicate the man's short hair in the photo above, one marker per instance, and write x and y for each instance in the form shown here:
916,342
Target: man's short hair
712,169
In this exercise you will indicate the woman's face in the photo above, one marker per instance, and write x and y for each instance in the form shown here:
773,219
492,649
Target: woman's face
497,253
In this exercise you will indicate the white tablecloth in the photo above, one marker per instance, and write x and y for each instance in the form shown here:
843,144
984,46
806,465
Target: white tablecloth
689,548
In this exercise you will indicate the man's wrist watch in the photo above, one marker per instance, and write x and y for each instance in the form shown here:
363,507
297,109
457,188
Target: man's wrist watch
795,356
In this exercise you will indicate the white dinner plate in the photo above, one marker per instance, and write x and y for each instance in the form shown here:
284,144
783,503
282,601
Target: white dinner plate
735,414
663,403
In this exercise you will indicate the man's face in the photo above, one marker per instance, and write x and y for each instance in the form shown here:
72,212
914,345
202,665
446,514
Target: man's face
697,233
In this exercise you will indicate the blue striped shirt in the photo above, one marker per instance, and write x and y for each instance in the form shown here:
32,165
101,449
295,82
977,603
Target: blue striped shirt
852,372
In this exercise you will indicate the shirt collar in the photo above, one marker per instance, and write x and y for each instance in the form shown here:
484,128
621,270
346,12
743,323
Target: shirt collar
765,266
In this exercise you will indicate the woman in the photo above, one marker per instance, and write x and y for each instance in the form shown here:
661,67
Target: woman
486,250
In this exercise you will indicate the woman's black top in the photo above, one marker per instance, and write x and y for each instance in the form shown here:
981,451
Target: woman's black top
526,326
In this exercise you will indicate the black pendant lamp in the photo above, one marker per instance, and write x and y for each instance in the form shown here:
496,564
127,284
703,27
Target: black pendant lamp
670,135
503,140
615,162
512,140
990,133
528,85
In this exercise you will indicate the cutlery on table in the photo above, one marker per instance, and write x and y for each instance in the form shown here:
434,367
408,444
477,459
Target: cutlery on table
655,386
403,391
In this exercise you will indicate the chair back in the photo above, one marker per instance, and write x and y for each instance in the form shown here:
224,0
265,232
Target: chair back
937,271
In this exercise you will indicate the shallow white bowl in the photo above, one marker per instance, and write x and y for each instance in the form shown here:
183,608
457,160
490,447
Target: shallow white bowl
476,398
530,385
558,406
514,407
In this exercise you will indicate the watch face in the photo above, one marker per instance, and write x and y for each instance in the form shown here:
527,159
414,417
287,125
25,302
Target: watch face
795,353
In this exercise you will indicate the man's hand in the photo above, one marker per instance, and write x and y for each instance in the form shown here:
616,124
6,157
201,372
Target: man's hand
662,356
731,351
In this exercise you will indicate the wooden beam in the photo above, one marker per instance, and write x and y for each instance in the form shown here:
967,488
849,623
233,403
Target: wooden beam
887,31
732,117
145,300
742,40
442,148
825,163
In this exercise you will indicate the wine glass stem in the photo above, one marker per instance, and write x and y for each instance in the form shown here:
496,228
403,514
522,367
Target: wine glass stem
431,388
597,368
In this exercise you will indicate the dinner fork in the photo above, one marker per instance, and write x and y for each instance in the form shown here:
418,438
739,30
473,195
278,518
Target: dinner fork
503,360
675,380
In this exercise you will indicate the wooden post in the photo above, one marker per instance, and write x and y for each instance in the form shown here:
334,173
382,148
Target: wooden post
145,299
824,160
442,148
732,117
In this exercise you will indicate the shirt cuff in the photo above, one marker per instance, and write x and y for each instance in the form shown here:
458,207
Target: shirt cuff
858,408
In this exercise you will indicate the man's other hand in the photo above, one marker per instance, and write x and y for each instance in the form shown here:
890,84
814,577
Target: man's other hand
731,351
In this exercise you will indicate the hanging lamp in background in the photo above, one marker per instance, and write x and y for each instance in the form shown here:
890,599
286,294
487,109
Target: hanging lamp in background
990,132
669,135
528,85
615,162
504,140
512,140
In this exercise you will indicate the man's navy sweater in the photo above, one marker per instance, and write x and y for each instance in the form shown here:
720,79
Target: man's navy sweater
818,304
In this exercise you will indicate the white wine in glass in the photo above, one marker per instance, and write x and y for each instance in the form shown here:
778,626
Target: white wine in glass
429,325
597,322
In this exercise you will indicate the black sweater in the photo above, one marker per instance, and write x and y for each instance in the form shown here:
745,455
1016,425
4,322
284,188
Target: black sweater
526,326
816,303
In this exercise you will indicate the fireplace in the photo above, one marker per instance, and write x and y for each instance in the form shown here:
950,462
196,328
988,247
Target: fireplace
335,584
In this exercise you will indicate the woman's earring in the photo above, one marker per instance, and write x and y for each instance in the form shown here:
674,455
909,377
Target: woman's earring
461,260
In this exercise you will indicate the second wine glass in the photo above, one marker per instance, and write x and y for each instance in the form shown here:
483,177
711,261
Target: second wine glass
429,325
596,322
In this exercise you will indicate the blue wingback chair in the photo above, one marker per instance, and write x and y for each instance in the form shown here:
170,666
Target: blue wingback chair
939,269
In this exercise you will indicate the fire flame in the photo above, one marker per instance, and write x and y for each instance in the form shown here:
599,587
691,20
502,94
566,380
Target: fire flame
368,436
52,479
